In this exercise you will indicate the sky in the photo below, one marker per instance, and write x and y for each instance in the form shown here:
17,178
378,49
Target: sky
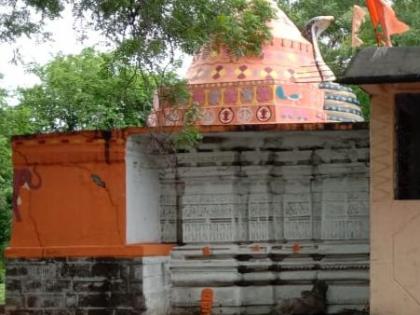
64,40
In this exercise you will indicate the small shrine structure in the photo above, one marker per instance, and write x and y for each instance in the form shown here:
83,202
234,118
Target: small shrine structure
392,77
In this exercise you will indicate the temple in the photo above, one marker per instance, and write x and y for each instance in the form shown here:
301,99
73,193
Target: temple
288,83
274,198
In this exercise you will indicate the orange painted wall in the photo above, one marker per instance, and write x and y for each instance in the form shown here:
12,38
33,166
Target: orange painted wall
76,206
79,208
70,208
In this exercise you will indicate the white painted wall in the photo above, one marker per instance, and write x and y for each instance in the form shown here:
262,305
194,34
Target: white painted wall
142,194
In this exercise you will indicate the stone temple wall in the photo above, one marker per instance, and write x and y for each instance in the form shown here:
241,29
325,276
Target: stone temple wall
261,215
87,286
264,214
286,186
258,217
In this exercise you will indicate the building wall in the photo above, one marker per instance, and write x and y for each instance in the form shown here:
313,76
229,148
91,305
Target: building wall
69,194
395,233
87,286
271,209
264,214
272,186
143,193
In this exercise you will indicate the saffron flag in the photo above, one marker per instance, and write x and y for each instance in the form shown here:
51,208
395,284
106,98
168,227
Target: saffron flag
358,19
382,14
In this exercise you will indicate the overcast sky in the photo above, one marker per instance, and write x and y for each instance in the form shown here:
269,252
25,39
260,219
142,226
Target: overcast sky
64,40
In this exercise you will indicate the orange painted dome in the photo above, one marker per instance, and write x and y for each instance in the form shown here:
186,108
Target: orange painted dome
280,59
282,85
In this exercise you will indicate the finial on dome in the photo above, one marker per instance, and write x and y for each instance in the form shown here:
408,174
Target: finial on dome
313,30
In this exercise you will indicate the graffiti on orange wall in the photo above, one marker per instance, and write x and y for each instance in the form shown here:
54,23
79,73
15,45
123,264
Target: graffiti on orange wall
24,178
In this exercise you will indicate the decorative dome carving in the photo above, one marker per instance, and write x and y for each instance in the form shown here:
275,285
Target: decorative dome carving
288,83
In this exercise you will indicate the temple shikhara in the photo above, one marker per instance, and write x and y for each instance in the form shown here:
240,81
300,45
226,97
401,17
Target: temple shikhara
271,204
288,83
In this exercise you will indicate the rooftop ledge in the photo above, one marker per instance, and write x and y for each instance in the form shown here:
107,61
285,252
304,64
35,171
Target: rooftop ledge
384,65
136,250
126,132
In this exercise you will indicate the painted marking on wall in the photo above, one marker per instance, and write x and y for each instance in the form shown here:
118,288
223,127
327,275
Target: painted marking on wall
23,178
206,251
206,303
296,248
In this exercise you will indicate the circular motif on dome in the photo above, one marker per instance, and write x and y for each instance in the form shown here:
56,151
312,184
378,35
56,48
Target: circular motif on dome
244,115
264,113
226,115
207,117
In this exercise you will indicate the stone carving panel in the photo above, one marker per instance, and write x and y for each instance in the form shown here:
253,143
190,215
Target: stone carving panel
297,206
345,207
237,190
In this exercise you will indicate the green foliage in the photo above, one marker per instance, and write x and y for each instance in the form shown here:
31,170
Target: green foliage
2,293
242,29
408,11
2,285
26,17
336,41
147,31
189,136
12,121
87,91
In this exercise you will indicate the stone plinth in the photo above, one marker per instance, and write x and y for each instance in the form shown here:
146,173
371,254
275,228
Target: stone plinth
87,286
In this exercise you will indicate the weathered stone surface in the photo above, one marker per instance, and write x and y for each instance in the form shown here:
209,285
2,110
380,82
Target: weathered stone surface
299,201
268,186
85,286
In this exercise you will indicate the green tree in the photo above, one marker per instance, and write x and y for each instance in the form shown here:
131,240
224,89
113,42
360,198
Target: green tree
12,121
148,31
87,91
5,176
336,41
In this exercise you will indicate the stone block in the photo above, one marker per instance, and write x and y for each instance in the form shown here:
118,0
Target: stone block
86,286
44,301
104,269
72,270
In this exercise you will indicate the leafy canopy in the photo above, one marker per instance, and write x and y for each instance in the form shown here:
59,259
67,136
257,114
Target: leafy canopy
146,31
87,91
12,121
336,41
